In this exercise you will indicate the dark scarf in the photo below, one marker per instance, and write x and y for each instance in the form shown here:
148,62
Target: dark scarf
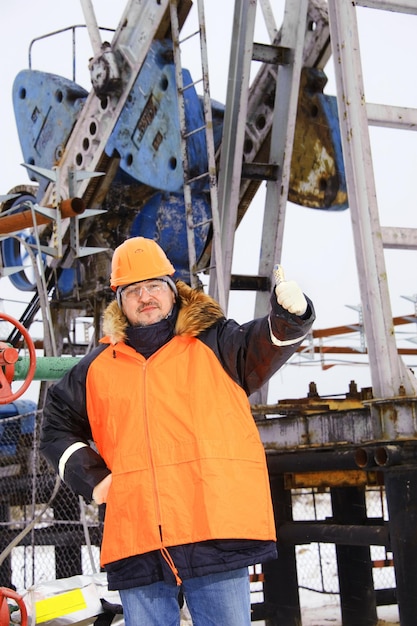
148,339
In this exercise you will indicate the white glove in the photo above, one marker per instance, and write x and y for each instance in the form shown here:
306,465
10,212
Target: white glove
288,293
101,490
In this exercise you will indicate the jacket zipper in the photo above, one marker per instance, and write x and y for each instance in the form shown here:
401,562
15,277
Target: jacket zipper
164,551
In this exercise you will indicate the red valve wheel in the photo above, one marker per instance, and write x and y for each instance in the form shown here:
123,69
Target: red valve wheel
4,611
7,364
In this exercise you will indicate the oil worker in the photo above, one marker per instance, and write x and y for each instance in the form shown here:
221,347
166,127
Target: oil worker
156,423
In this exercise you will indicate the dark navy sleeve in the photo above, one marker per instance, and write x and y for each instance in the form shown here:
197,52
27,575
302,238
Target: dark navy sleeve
65,438
251,353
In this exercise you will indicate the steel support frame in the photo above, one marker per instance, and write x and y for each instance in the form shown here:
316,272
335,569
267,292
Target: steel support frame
401,493
281,598
389,375
356,586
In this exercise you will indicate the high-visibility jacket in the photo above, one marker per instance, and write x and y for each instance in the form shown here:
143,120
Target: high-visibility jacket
175,430
185,454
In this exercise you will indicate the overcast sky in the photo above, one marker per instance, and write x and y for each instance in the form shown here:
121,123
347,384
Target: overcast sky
318,247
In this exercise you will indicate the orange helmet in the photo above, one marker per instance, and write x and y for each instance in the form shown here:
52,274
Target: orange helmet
138,259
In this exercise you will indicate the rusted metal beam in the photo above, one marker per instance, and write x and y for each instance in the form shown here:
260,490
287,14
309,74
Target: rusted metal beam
334,478
16,222
355,328
299,533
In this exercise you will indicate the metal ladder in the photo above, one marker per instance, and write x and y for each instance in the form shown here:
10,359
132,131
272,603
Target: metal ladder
186,133
287,58
390,377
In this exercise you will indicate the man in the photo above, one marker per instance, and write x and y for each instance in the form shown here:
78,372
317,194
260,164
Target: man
177,457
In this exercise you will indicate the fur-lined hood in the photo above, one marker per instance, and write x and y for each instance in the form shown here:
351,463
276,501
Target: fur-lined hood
197,312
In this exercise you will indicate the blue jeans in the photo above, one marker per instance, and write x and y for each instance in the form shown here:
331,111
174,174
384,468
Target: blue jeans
213,600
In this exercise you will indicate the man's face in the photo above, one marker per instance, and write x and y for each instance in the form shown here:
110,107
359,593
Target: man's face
147,302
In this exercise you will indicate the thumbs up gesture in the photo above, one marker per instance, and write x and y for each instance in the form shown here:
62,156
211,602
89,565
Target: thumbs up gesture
288,293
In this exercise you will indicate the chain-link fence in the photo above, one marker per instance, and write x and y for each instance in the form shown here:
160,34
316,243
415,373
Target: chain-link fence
316,562
46,531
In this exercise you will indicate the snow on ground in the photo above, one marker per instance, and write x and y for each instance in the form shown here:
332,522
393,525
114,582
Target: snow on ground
317,611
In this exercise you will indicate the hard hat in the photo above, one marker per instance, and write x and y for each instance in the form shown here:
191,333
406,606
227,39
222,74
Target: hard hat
138,259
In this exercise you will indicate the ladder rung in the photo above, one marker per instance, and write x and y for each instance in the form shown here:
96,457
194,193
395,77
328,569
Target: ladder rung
193,84
242,282
195,178
260,171
202,223
401,6
190,36
399,238
194,131
391,116
278,55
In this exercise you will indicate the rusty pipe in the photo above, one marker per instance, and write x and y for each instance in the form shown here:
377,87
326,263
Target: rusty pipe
388,455
365,457
297,533
310,461
24,219
384,455
391,454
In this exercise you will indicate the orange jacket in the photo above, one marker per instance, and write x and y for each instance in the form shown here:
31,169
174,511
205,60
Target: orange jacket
178,435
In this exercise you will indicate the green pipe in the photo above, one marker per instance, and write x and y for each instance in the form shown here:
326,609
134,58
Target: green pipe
47,367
